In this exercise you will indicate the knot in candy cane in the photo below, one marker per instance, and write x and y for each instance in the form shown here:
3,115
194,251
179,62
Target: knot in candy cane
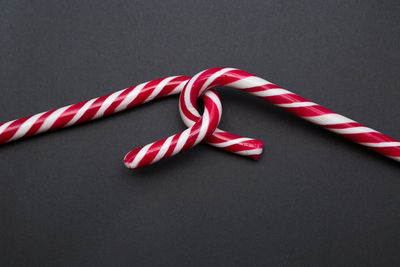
229,77
200,128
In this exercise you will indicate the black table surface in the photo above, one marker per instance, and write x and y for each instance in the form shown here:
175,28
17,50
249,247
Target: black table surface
313,199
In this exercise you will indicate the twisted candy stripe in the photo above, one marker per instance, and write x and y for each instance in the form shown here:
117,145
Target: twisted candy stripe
269,92
180,142
115,102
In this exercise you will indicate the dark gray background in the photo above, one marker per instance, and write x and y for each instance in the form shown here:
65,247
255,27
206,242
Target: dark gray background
313,199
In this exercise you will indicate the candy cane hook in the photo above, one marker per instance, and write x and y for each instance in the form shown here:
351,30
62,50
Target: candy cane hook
113,103
180,142
280,97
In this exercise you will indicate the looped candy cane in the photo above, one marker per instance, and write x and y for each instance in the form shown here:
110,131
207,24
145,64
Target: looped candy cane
271,93
113,103
180,142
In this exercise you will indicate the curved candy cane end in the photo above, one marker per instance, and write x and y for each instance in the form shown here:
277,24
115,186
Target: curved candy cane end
128,159
133,160
255,151
258,150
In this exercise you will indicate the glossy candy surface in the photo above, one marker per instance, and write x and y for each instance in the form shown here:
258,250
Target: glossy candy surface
200,127
285,99
113,103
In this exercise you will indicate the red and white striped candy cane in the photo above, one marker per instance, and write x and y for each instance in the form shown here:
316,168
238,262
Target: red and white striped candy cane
180,142
280,97
112,103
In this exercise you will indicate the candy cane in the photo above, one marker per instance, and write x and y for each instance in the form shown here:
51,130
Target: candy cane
276,95
112,103
180,142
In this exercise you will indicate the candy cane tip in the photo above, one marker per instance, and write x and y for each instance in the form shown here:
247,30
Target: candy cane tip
255,151
258,151
127,162
129,159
